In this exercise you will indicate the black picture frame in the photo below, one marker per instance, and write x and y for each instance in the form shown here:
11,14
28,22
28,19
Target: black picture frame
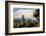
6,17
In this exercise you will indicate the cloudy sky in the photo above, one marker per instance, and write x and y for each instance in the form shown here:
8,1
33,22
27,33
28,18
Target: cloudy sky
27,12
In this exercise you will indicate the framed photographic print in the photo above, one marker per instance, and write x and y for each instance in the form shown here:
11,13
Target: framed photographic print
24,17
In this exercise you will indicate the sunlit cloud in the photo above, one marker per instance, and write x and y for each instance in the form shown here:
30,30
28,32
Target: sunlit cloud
18,12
